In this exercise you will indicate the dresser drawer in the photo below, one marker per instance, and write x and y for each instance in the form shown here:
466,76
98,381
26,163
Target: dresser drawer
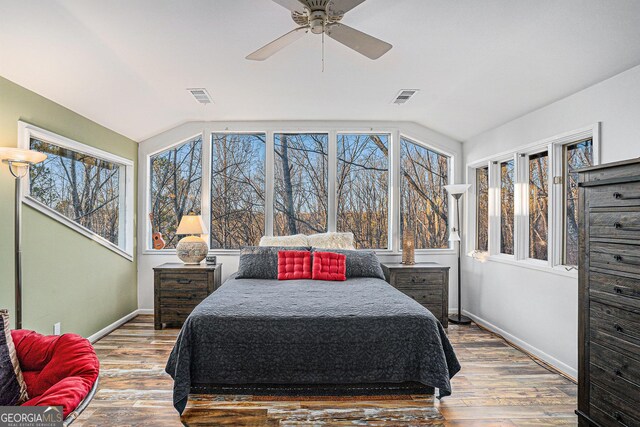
624,224
614,289
614,327
186,282
615,257
608,409
614,195
418,279
615,364
181,296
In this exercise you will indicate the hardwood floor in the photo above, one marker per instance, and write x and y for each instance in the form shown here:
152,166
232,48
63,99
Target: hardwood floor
498,386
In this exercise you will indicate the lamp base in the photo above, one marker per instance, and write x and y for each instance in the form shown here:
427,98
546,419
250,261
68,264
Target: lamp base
192,250
459,320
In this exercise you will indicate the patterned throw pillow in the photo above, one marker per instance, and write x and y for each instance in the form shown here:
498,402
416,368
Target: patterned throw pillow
13,389
361,263
329,266
293,265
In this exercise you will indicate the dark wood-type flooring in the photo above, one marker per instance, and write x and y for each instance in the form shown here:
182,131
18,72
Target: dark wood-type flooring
498,386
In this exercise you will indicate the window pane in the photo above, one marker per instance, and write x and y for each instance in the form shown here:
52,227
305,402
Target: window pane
423,197
482,188
538,205
80,187
363,188
507,207
176,181
577,156
237,190
300,187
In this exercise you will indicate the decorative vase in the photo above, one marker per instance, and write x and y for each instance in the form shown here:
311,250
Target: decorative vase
192,250
408,248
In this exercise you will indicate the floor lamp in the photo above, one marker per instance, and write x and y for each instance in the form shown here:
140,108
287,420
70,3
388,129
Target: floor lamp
457,191
19,160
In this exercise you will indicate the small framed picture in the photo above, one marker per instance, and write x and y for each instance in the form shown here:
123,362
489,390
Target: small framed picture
211,260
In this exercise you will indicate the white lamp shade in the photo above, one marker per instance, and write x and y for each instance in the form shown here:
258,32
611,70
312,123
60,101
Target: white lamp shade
454,236
191,224
21,155
455,189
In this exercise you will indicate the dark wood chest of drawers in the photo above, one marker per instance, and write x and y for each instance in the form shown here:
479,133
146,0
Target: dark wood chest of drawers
178,288
609,296
427,283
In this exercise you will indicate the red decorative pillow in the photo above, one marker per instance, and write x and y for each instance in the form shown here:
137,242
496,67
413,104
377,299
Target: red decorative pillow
329,266
294,265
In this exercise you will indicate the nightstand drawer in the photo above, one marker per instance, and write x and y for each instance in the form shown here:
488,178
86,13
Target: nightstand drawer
419,279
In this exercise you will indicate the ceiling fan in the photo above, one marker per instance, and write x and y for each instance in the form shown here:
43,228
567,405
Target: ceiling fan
323,17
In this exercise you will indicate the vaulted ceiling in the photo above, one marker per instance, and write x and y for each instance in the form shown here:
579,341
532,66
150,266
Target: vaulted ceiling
478,63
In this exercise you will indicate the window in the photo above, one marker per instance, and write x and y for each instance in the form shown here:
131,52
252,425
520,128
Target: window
482,217
424,202
87,189
237,190
363,188
539,205
507,206
300,184
176,184
575,156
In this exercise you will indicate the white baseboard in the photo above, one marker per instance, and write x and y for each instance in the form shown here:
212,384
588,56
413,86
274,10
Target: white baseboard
145,311
115,325
559,365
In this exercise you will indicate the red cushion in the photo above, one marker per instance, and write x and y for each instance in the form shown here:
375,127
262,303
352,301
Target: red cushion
59,370
294,265
329,266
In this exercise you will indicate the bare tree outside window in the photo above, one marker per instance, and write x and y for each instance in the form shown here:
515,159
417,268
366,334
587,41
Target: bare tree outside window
176,183
482,208
507,206
300,184
363,188
83,188
538,205
424,202
237,190
576,156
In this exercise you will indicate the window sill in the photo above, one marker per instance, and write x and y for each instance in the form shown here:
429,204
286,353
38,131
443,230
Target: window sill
533,264
31,202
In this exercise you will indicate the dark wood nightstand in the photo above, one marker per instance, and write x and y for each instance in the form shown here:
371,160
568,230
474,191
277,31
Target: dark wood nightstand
425,282
178,288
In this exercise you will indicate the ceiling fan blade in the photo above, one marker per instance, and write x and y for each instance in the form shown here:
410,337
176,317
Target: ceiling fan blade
365,44
278,44
292,5
340,7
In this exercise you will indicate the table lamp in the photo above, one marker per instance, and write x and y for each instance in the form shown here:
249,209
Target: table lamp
192,249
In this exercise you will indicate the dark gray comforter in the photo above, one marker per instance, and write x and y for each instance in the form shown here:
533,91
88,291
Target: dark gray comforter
310,332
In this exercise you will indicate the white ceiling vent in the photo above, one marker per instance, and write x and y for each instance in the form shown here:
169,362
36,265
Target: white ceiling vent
201,95
404,95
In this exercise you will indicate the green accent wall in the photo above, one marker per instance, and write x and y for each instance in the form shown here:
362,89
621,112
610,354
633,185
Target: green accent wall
67,277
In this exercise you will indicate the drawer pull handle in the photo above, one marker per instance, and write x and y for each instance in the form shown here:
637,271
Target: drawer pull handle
618,327
184,281
619,226
617,258
618,289
619,196
618,372
619,417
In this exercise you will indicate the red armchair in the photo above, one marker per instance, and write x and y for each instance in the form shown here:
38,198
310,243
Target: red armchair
60,370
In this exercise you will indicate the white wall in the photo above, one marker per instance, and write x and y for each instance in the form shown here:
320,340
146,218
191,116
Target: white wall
147,259
537,309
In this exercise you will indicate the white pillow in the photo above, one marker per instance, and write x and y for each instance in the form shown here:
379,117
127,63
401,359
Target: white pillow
295,240
331,240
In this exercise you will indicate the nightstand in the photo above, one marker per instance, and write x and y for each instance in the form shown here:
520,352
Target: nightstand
425,282
178,288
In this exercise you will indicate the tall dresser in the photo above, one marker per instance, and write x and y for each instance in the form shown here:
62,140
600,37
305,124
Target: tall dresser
609,295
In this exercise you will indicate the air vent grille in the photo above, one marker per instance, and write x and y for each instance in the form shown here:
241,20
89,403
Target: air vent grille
201,95
404,95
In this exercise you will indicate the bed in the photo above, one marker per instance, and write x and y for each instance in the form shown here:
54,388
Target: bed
255,332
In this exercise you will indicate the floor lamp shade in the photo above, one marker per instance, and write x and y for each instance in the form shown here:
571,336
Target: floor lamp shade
19,160
457,191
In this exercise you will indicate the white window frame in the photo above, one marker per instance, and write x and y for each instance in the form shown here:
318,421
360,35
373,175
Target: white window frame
126,234
554,146
206,129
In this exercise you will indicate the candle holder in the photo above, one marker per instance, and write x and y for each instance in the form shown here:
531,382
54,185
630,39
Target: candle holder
408,248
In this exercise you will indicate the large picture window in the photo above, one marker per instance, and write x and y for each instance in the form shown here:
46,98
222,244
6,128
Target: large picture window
363,188
176,185
482,209
85,188
576,156
538,205
424,202
237,190
301,183
507,206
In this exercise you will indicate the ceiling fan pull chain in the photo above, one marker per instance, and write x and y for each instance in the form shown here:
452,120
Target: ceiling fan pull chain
323,49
